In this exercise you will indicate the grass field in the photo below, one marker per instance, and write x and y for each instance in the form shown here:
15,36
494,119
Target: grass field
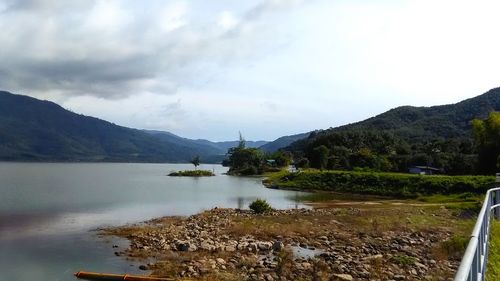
493,269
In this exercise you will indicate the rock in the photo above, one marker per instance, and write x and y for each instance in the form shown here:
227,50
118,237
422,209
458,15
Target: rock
230,248
422,266
343,277
220,261
264,246
278,246
306,265
242,246
143,267
207,247
184,246
268,277
252,247
364,274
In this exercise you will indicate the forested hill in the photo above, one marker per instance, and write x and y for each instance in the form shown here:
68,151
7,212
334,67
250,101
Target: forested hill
415,135
35,130
421,123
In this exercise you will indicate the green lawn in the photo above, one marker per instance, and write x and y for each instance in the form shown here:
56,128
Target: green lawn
493,270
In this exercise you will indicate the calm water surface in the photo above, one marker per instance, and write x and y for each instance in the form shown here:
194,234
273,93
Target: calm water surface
48,211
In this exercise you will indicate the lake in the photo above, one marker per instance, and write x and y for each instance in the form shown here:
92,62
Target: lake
49,211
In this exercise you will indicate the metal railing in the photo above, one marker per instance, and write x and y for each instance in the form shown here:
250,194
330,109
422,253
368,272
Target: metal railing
473,264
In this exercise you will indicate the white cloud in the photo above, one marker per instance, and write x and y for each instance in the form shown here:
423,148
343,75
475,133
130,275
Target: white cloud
269,69
226,20
107,16
173,16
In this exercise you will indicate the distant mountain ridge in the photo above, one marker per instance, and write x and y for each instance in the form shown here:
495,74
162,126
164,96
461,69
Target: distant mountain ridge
36,130
419,124
214,150
282,142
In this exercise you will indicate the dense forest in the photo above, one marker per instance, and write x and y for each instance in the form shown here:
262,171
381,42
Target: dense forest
438,136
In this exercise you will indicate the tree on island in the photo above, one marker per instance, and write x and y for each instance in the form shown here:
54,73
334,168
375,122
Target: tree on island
244,160
196,161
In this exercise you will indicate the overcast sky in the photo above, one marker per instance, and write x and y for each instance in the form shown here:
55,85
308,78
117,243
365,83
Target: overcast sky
208,69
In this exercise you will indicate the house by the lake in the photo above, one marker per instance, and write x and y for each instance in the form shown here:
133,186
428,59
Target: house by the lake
423,170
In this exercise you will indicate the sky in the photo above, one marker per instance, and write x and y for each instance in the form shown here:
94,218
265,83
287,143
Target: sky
209,69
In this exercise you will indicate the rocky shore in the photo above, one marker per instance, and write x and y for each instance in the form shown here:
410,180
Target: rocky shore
299,244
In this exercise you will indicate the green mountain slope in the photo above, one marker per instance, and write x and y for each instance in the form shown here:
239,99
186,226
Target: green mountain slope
420,124
438,136
35,130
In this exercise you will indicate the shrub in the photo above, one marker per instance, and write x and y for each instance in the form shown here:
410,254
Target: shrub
455,246
260,206
403,260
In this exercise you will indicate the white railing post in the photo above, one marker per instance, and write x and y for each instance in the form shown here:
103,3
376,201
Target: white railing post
475,259
496,202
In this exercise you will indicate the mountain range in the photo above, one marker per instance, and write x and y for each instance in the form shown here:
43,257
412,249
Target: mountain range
36,130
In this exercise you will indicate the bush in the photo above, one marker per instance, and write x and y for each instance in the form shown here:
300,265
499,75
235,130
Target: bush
403,260
455,246
260,206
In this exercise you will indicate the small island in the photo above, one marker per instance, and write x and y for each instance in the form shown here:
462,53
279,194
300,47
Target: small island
192,173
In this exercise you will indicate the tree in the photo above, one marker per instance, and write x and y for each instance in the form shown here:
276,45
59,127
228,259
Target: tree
281,158
487,139
301,163
196,161
320,157
242,143
244,161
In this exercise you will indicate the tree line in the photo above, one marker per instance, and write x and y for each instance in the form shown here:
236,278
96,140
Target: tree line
383,151
378,150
